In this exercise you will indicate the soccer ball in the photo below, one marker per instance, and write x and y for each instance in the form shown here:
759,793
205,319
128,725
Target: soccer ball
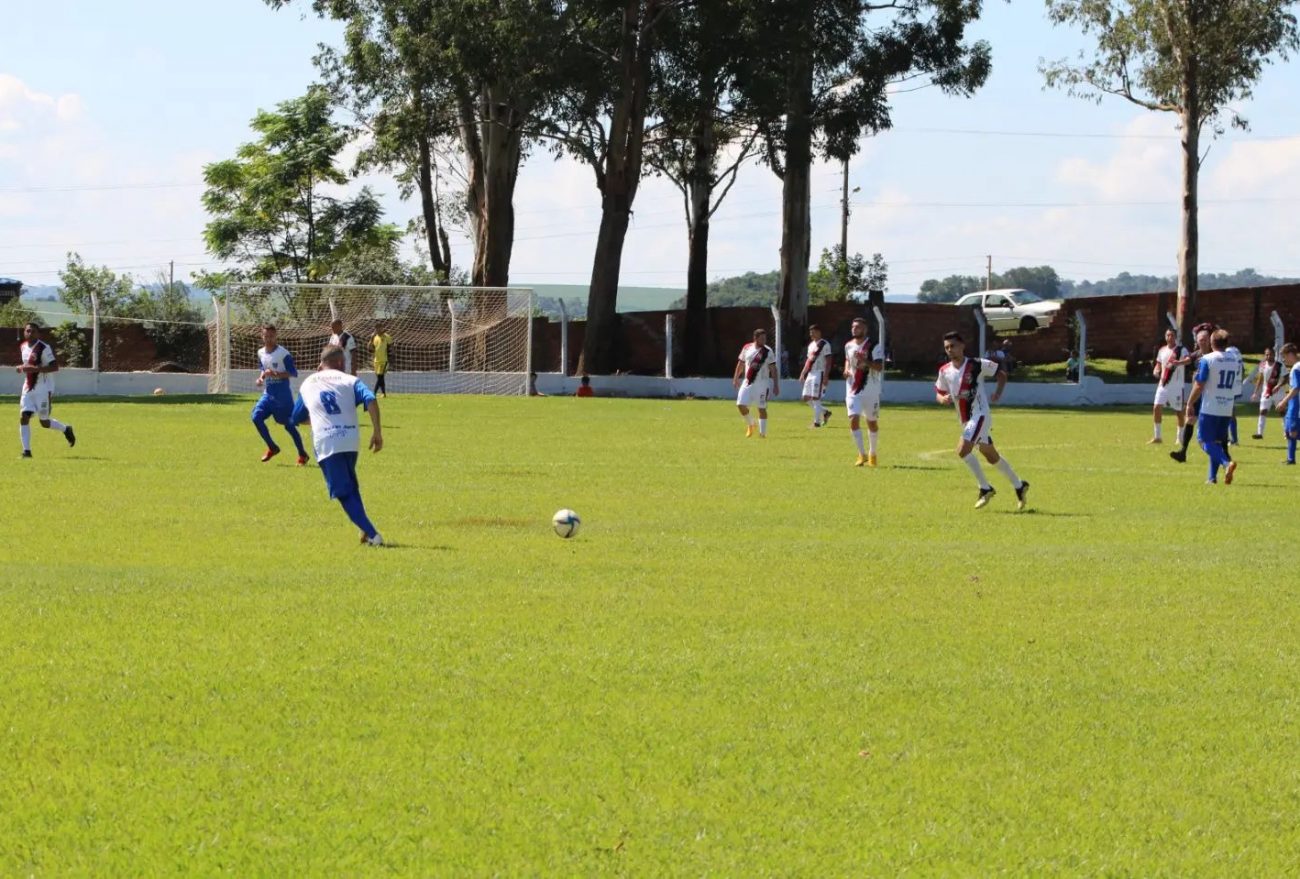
158,392
566,523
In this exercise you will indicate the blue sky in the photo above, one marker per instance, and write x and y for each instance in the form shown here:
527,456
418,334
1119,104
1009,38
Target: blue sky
144,93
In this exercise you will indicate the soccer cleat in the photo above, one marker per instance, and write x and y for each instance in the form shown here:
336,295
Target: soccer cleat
1227,474
762,435
374,541
1284,462
826,419
1154,441
69,436
27,454
861,462
1257,436
871,460
1022,494
986,495
814,424
269,454
749,431
1179,456
302,460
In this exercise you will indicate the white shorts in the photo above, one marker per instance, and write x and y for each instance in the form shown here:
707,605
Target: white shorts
1266,402
753,395
1170,395
866,404
978,431
813,386
37,402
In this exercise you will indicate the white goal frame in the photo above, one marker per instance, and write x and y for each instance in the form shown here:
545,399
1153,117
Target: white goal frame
446,340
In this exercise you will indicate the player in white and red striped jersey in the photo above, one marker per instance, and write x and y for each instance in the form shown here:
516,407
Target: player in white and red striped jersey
755,379
1267,378
1169,369
38,364
864,367
963,382
816,374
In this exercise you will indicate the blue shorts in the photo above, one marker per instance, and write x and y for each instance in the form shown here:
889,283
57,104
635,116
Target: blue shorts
1213,428
340,471
1291,425
273,407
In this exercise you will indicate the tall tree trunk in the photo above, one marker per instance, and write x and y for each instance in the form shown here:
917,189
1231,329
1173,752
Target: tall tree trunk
493,142
1189,250
699,189
796,208
429,208
619,178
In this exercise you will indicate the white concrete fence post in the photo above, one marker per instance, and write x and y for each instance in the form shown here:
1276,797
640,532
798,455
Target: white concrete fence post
1083,343
668,346
776,338
564,340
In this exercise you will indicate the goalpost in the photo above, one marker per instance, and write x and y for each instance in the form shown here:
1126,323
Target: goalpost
446,340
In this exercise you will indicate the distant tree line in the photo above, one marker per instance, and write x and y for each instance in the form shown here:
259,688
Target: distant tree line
1045,281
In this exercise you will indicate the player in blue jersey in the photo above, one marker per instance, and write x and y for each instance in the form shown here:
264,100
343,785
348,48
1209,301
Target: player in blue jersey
1290,404
329,399
1218,379
277,397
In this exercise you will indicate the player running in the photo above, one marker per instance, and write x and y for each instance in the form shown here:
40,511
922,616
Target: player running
864,367
329,399
1169,371
38,364
757,367
344,341
276,401
1289,405
1202,334
1266,378
961,382
1218,378
816,373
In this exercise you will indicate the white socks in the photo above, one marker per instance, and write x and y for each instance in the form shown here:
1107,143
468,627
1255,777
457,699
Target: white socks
817,410
749,419
1262,418
57,425
25,433
857,438
973,462
1004,467
873,436
762,427
1158,425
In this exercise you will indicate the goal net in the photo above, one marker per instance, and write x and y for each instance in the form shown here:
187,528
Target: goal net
445,340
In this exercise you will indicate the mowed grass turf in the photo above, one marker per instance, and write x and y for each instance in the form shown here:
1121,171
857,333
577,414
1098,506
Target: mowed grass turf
754,660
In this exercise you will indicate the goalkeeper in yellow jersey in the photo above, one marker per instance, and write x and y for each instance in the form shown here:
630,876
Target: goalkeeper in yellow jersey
381,344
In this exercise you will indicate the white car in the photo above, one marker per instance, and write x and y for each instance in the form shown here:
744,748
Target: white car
1012,310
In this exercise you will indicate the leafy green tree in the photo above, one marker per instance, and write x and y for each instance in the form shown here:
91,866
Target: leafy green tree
840,280
16,314
271,208
949,289
1042,280
818,80
80,285
1196,59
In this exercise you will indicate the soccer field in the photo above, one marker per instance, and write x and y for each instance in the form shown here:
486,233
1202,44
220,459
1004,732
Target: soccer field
754,660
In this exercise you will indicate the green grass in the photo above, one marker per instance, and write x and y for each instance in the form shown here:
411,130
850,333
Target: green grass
754,660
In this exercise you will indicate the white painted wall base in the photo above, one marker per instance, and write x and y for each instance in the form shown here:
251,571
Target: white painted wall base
1090,392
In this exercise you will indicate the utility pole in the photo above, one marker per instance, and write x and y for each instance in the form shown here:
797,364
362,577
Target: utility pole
844,232
988,278
171,275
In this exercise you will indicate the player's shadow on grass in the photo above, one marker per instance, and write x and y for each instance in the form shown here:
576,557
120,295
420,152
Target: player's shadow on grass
402,546
915,467
1050,514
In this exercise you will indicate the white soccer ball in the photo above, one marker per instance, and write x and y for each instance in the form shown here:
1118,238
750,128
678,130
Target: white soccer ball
566,523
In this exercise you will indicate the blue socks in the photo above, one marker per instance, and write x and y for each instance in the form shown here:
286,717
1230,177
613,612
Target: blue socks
260,424
1290,449
1232,430
297,439
357,513
1218,458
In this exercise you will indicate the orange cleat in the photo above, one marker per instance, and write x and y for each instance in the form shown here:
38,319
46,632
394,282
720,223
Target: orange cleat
270,453
302,460
749,431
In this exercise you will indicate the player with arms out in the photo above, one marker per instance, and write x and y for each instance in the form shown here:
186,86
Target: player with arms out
1170,386
329,399
276,401
755,378
961,382
1289,405
1218,378
864,367
816,373
38,365
1266,378
343,341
